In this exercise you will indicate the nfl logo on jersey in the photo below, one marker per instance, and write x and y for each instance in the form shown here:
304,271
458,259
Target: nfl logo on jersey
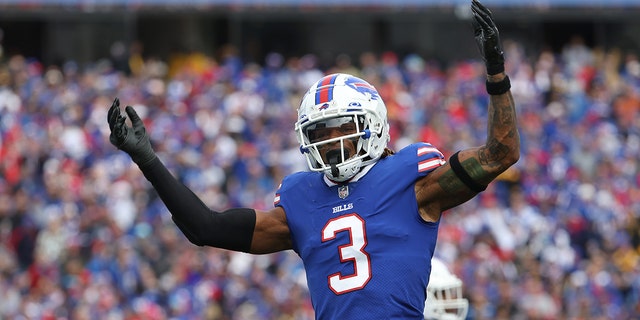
343,192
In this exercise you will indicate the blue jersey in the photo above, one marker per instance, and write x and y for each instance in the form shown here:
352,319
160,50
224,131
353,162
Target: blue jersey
366,250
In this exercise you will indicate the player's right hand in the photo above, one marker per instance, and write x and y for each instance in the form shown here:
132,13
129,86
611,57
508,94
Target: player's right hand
132,140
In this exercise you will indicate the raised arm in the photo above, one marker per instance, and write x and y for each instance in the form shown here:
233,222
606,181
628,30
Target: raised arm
238,229
469,171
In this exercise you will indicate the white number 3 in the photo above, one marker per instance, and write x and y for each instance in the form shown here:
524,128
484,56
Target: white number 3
353,251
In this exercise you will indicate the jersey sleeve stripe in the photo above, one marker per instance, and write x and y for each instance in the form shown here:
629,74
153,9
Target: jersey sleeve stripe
430,164
425,150
276,200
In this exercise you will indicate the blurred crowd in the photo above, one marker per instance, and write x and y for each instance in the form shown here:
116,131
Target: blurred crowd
84,236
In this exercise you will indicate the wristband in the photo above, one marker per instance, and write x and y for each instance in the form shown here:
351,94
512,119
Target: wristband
500,87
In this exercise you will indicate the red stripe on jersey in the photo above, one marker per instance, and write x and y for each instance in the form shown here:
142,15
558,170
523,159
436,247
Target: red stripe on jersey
425,150
429,164
276,200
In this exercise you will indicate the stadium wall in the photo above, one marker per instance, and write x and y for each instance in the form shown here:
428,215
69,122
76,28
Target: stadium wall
443,33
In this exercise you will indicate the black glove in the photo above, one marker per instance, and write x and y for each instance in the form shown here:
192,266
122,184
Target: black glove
487,38
132,140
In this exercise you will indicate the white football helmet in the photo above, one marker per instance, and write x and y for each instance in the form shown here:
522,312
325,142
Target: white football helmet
444,294
354,108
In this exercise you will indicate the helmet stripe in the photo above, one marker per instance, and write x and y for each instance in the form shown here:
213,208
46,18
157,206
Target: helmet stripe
325,89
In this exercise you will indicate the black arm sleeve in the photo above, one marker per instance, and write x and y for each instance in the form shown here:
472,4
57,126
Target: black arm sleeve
232,229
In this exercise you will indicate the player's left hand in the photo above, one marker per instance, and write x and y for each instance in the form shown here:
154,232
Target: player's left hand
132,140
487,38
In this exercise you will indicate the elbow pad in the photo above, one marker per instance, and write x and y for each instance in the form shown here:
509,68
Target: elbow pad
231,229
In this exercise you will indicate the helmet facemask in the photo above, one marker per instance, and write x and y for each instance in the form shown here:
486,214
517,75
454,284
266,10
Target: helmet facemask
336,144
341,135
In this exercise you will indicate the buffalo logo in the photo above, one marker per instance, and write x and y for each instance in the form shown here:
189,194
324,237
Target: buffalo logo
362,87
324,106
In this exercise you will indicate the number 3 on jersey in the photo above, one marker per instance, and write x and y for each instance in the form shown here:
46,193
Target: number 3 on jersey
349,252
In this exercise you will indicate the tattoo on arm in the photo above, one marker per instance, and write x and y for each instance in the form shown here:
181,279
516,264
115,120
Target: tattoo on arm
504,111
450,183
474,169
502,139
501,124
493,152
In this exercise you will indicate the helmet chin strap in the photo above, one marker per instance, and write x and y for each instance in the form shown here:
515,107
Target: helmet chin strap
334,157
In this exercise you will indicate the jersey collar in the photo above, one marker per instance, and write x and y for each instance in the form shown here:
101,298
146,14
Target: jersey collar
355,178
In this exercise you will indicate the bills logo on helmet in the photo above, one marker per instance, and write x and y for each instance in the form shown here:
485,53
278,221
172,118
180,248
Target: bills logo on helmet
362,87
325,86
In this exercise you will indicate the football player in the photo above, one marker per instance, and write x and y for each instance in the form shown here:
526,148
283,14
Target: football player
363,219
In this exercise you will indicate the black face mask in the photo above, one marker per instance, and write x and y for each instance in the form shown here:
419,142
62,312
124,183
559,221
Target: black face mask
334,157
